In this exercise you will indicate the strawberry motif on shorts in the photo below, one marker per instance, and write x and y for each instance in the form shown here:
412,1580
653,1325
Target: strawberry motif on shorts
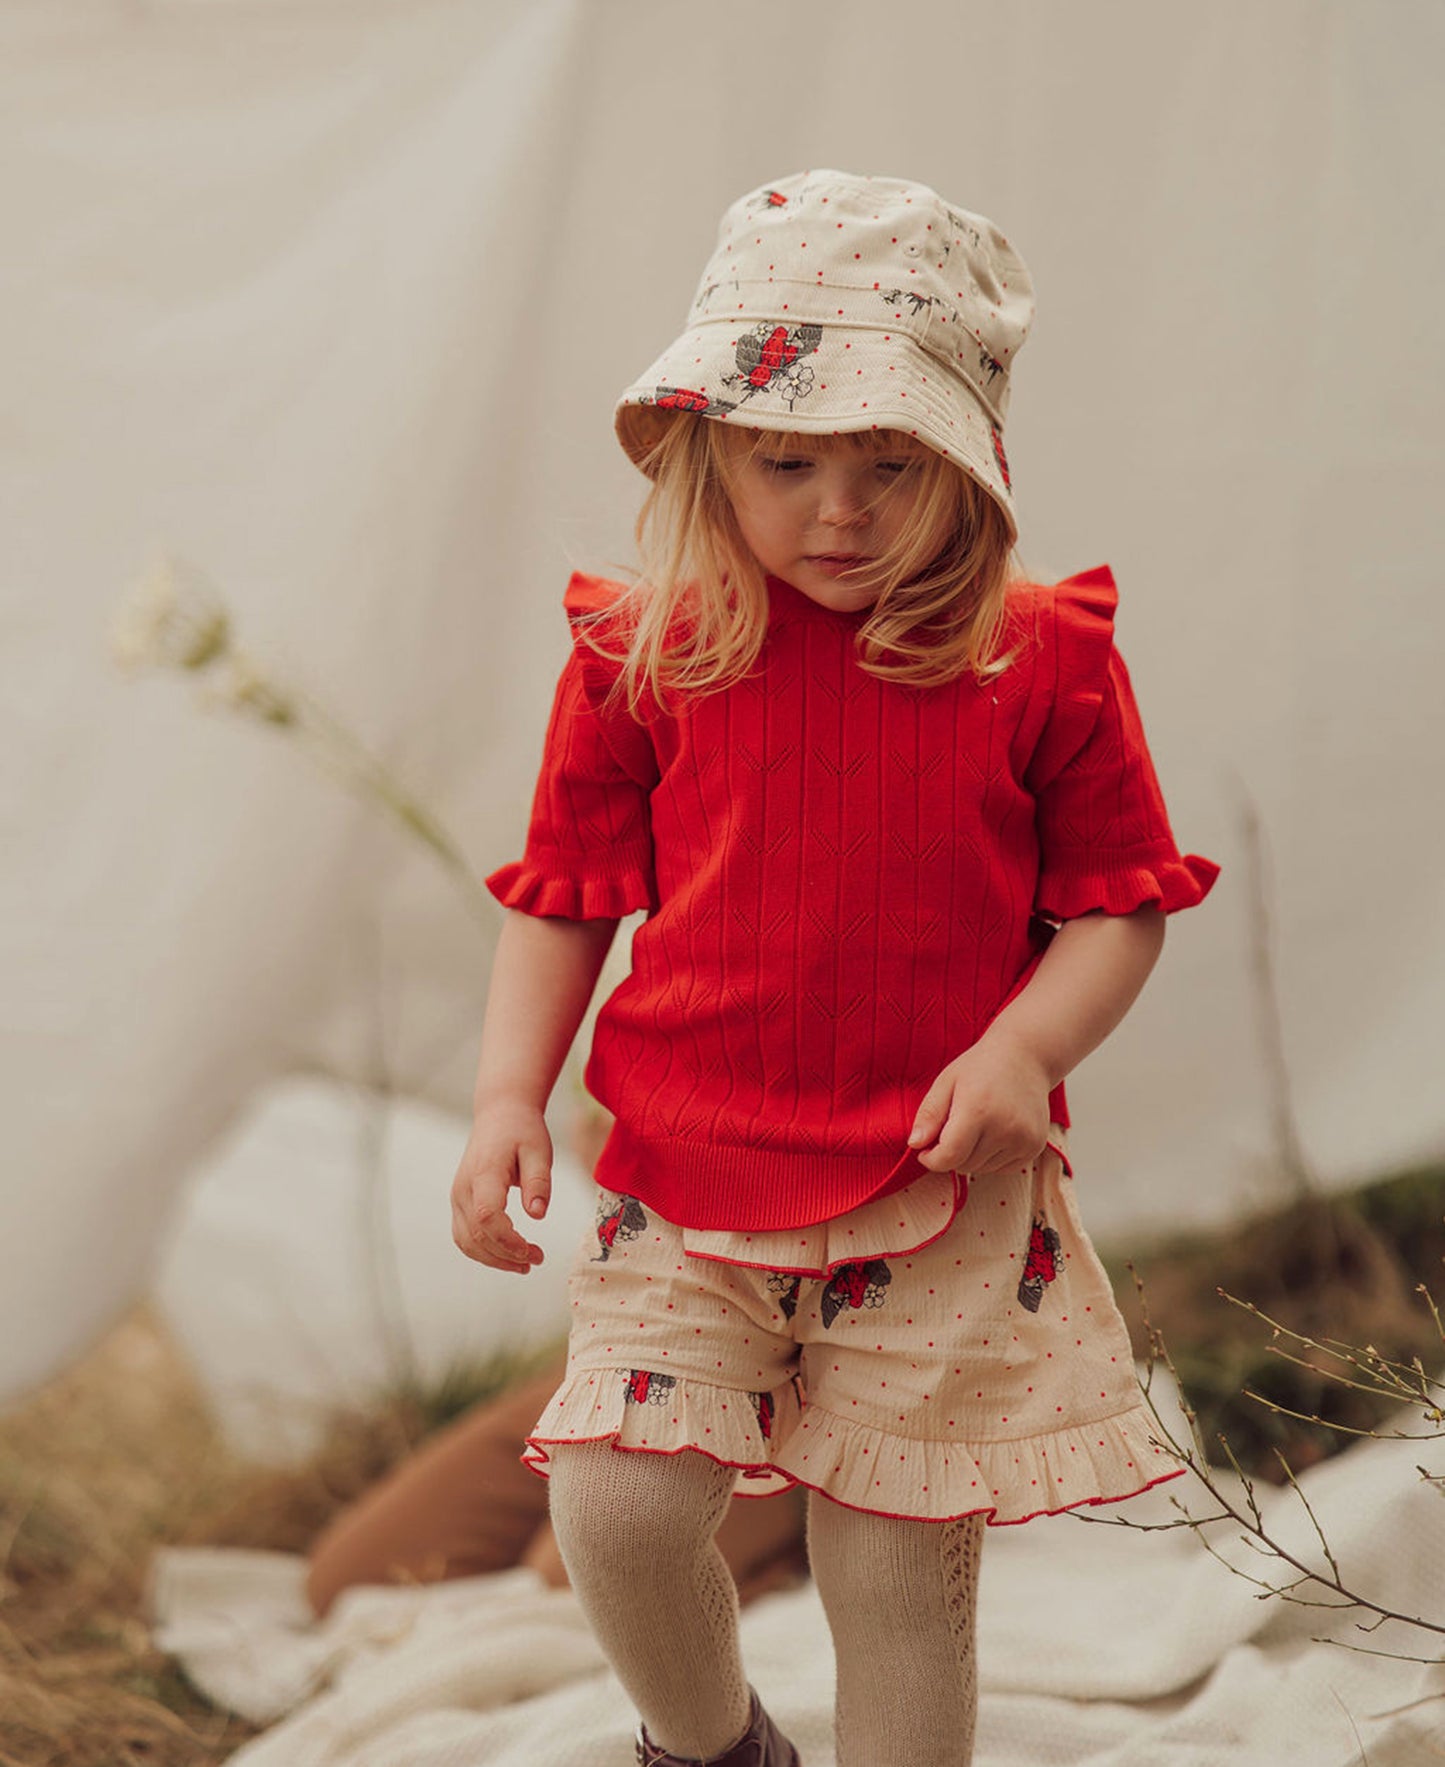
1042,1264
855,1285
787,1288
624,1220
764,1403
646,1388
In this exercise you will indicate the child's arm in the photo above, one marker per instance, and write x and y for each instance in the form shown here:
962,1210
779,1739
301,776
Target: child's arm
543,975
988,1111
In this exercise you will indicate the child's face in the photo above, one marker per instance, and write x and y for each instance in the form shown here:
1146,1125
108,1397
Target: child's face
822,511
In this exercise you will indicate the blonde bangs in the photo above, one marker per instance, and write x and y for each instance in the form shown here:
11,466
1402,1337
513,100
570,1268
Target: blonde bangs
695,619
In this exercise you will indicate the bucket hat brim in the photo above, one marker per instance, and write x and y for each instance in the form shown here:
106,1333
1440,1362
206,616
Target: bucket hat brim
766,375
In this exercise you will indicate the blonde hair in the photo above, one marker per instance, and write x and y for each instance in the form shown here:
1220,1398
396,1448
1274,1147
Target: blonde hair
695,619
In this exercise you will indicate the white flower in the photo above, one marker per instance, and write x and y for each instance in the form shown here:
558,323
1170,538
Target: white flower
173,618
798,385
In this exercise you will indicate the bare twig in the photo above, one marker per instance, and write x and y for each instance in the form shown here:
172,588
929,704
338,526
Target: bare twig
1326,1586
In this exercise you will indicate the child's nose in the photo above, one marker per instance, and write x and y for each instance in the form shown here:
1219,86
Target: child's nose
843,500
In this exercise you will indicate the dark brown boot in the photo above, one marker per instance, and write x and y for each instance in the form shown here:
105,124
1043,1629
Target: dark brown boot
762,1745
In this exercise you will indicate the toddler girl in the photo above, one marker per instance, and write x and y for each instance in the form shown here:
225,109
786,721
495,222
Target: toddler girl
905,862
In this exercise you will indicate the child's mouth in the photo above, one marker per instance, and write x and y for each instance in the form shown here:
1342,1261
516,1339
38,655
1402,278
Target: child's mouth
835,563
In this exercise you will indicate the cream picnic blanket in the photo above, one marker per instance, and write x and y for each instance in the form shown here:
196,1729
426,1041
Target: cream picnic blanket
1098,1644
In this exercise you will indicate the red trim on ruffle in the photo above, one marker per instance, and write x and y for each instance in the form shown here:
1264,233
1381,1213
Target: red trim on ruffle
764,1469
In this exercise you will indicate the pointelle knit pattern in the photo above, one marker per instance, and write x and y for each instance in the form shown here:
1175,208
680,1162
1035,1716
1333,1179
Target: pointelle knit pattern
846,879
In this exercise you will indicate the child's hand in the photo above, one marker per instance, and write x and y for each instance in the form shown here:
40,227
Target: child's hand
988,1111
508,1145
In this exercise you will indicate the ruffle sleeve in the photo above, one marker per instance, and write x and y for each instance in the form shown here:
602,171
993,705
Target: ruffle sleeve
588,854
1104,835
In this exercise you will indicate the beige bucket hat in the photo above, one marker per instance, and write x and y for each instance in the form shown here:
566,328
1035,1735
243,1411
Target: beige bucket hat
835,303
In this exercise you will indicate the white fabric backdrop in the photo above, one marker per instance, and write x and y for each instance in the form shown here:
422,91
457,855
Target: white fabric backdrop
335,299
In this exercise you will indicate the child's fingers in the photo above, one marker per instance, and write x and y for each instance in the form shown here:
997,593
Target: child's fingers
534,1167
496,1243
493,1231
932,1113
482,1228
957,1148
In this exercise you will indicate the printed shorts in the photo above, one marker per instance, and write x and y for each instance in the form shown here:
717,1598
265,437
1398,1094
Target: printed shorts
924,1356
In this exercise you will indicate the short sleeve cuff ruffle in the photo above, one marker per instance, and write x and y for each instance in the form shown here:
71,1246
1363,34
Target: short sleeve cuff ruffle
589,843
1104,835
1119,884
529,887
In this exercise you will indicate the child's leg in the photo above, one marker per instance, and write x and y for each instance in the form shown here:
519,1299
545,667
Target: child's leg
636,1532
901,1602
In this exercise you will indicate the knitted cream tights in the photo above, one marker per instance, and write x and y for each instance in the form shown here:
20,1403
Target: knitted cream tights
901,1599
636,1533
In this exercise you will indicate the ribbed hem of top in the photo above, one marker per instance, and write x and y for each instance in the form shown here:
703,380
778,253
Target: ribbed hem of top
753,1190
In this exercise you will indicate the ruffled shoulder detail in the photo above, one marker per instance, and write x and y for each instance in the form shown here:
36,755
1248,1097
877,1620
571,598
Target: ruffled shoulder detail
1075,627
588,601
590,595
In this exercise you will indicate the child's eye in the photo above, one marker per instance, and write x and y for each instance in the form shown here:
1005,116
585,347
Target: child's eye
782,462
896,468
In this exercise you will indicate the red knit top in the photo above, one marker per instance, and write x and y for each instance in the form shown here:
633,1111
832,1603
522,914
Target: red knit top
846,878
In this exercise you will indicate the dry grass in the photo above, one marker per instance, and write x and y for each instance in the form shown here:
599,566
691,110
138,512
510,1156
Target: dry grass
119,1457
115,1458
1333,1268
99,1468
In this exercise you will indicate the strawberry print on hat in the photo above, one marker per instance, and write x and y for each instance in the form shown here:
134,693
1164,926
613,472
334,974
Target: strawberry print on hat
688,399
1000,456
768,361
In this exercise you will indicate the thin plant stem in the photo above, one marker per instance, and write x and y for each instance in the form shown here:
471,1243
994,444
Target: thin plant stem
1247,1515
356,765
